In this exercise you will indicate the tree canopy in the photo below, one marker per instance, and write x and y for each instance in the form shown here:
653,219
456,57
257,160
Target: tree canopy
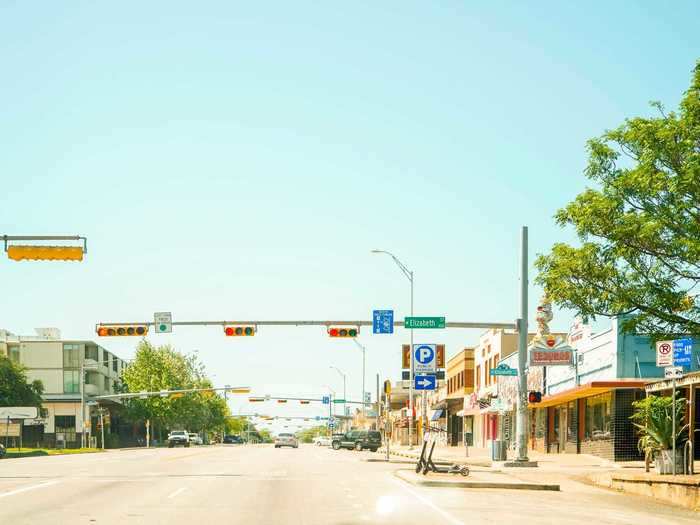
163,368
14,388
639,227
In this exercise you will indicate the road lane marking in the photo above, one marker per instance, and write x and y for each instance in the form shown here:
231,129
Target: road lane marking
32,487
177,492
449,517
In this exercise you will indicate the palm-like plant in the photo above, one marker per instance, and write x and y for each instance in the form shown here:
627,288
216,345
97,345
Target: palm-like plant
653,418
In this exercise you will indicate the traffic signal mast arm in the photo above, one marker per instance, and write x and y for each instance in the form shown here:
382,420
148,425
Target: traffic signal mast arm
242,389
326,324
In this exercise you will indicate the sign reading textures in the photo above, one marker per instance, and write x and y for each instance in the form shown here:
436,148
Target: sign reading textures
550,350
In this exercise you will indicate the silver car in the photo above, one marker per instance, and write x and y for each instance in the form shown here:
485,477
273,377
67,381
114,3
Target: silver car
286,440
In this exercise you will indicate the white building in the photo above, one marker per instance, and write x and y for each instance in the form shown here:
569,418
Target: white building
56,363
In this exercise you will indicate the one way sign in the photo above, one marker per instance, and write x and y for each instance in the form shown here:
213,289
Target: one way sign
425,382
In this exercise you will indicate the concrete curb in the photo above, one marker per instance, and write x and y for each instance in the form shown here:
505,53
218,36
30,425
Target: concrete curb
519,485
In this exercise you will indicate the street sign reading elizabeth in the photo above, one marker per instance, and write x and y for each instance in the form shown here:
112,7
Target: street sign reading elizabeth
424,322
664,353
503,370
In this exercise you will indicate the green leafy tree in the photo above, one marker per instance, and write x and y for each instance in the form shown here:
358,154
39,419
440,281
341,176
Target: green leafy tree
14,388
163,368
639,227
308,434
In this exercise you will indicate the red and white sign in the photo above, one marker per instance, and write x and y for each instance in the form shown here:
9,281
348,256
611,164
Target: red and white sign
664,353
549,350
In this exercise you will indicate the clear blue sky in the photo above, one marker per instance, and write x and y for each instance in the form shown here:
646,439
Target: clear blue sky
241,159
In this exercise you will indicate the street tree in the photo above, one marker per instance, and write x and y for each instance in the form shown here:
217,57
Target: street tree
163,368
638,226
15,390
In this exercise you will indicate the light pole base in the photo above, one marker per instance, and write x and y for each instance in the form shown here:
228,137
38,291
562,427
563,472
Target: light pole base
520,463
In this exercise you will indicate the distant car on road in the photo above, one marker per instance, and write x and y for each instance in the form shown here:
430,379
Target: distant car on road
358,440
178,437
322,441
286,440
195,439
233,440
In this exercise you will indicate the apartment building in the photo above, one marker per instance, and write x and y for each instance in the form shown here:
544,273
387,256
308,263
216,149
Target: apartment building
57,363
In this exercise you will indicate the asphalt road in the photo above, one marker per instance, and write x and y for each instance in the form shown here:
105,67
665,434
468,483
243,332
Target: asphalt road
262,485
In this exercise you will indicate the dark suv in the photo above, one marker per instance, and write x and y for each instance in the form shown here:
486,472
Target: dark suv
359,440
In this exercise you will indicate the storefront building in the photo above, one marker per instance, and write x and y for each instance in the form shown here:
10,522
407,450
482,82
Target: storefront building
585,407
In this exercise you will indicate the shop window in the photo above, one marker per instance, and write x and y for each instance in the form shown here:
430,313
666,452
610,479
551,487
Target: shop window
71,382
65,425
91,352
540,422
71,356
13,353
598,420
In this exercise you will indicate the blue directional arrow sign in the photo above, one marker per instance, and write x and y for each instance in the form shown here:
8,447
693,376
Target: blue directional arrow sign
425,382
383,322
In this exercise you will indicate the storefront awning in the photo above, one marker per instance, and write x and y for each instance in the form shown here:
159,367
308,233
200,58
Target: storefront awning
587,390
437,414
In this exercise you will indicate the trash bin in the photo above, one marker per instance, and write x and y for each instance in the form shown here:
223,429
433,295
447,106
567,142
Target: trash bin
498,450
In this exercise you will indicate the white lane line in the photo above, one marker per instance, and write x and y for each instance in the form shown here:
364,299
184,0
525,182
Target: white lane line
32,487
177,492
449,517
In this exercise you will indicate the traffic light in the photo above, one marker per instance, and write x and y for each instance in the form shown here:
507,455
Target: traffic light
335,331
122,330
304,402
20,252
281,400
234,331
256,399
534,397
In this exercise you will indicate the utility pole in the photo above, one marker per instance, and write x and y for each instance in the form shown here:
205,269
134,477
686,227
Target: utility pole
409,275
378,403
522,351
363,375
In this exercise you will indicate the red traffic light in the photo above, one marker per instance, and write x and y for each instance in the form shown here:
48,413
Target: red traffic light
534,397
342,332
236,331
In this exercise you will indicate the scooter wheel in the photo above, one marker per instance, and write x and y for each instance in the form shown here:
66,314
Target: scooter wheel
464,471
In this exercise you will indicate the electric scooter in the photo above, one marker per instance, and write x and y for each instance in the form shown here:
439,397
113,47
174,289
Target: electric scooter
429,466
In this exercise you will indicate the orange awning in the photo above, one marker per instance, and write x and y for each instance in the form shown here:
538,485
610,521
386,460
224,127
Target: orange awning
587,390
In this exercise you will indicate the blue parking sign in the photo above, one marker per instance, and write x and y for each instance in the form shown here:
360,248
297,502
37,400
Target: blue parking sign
383,322
683,352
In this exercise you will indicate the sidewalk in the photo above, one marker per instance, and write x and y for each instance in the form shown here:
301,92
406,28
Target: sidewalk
570,471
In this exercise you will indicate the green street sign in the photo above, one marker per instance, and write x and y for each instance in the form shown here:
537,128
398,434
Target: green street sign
339,401
424,322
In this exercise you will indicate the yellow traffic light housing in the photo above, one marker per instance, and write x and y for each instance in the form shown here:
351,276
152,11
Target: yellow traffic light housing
138,330
20,252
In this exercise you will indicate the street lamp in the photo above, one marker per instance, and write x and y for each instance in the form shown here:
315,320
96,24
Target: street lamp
344,394
409,275
363,375
82,397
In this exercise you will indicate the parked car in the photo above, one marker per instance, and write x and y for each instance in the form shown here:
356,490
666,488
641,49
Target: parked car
286,440
322,441
196,439
178,437
233,440
358,440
